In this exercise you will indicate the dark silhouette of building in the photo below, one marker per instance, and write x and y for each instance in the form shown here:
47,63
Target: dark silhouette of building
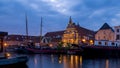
2,35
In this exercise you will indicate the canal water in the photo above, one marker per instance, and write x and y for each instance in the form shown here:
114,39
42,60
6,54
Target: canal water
68,61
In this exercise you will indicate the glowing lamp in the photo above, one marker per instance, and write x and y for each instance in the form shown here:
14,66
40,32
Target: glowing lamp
7,54
83,40
91,41
5,44
50,45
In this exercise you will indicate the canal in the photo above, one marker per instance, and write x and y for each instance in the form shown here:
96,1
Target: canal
70,61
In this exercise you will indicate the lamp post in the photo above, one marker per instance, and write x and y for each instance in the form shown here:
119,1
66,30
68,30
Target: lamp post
6,54
5,45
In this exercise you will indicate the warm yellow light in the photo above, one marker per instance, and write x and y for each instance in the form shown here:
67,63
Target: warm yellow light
83,40
5,44
7,54
91,41
50,45
81,61
64,45
60,59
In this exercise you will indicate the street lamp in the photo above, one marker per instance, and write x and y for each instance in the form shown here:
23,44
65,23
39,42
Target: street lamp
91,42
84,40
5,45
5,53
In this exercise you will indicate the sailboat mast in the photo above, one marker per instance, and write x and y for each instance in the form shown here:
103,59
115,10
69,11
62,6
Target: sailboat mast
41,30
26,30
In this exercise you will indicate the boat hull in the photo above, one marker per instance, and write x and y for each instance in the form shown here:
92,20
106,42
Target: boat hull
21,60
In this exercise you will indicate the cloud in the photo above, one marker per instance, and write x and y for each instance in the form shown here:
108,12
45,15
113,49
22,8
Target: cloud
60,6
97,13
90,13
63,6
34,6
115,20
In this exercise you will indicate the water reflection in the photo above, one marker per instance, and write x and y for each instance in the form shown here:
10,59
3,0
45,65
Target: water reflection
107,63
70,61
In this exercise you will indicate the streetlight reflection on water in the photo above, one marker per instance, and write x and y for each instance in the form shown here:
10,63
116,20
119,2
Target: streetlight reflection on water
70,61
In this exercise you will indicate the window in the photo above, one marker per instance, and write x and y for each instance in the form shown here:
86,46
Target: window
99,43
105,43
117,37
113,43
117,30
104,38
98,38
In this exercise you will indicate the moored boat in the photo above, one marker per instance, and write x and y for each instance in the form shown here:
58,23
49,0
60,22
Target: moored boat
18,60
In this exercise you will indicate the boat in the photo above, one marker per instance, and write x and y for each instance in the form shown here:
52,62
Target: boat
42,51
8,61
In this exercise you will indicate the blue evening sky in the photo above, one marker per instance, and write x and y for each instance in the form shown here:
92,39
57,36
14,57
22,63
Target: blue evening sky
91,14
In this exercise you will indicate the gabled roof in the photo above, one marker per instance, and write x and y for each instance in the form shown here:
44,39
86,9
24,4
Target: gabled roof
106,26
56,33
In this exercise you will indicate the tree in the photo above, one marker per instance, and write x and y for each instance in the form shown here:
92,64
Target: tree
60,45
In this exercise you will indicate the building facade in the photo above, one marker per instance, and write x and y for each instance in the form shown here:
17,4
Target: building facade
105,36
13,40
2,35
73,34
105,33
117,33
53,37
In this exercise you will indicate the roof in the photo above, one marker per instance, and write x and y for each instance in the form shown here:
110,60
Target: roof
21,38
84,31
56,33
3,33
106,26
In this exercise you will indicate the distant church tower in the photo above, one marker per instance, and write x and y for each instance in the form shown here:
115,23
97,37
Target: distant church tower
75,34
71,34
